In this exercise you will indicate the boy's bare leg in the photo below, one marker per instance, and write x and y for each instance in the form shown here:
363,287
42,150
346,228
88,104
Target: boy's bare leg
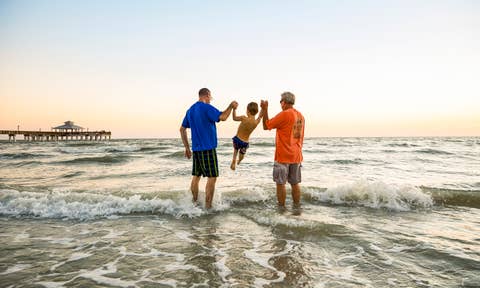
281,194
194,187
209,191
240,158
235,152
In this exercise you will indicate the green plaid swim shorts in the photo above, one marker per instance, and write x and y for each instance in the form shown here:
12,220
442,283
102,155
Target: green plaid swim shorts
205,163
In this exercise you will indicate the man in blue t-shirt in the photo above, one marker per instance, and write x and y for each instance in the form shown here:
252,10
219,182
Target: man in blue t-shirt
201,119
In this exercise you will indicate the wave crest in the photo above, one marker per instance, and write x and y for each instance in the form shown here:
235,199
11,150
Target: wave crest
374,195
85,206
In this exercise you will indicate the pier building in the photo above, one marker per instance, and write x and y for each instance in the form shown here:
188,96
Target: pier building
66,132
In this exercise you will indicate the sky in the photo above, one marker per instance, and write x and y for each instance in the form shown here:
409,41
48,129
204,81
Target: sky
357,68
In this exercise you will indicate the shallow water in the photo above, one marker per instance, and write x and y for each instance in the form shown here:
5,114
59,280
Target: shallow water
377,212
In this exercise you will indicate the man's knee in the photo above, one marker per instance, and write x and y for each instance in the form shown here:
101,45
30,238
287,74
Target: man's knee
211,179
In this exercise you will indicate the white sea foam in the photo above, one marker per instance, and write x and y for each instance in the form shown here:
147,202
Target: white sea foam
185,236
62,241
74,205
153,253
176,267
248,194
222,269
21,236
273,219
97,275
112,234
262,259
74,257
375,195
375,247
16,268
49,284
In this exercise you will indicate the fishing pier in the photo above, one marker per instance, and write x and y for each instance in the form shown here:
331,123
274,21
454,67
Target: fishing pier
66,132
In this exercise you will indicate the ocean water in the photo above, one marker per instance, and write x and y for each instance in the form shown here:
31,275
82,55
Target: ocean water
376,212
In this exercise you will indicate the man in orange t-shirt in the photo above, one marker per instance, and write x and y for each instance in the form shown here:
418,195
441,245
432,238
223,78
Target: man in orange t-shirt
290,126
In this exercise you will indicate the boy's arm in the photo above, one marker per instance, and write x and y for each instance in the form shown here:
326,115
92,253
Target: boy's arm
260,115
183,134
235,117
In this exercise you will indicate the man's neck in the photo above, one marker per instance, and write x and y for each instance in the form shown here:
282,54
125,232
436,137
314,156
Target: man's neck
204,100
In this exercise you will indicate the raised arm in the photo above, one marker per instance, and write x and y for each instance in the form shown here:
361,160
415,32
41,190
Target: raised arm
260,115
226,113
264,111
183,134
234,115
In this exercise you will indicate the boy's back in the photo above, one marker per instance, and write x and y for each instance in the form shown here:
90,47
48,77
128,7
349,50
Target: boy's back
246,127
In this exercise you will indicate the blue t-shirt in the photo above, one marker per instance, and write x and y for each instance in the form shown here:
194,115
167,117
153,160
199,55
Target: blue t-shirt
201,118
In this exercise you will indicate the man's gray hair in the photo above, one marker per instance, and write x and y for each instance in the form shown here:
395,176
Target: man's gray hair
288,97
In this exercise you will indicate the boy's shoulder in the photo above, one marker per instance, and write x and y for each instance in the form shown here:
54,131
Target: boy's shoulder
247,118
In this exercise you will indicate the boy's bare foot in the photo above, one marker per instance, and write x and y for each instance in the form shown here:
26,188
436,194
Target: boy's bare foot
232,166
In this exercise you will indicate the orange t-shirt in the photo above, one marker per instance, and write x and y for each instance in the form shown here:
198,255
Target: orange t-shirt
290,126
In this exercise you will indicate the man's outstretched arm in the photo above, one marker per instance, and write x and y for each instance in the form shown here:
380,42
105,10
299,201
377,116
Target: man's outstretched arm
226,113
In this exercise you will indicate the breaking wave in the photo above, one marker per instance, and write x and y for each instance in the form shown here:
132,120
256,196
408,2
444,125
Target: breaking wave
256,203
85,206
374,195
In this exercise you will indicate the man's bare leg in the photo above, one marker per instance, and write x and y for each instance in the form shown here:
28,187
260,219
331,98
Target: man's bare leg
232,166
296,194
194,187
209,191
281,194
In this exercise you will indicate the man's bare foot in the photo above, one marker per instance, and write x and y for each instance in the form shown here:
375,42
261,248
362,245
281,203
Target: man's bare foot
232,166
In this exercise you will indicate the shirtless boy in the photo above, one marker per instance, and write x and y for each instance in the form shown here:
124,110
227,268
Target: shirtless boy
247,125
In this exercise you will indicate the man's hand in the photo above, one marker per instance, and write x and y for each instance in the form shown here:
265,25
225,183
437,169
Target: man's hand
226,113
188,153
264,112
264,104
183,134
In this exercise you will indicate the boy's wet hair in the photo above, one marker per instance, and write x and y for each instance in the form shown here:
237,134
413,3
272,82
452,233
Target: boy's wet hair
252,108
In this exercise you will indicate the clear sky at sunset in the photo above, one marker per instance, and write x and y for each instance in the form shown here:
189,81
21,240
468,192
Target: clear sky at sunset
358,68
